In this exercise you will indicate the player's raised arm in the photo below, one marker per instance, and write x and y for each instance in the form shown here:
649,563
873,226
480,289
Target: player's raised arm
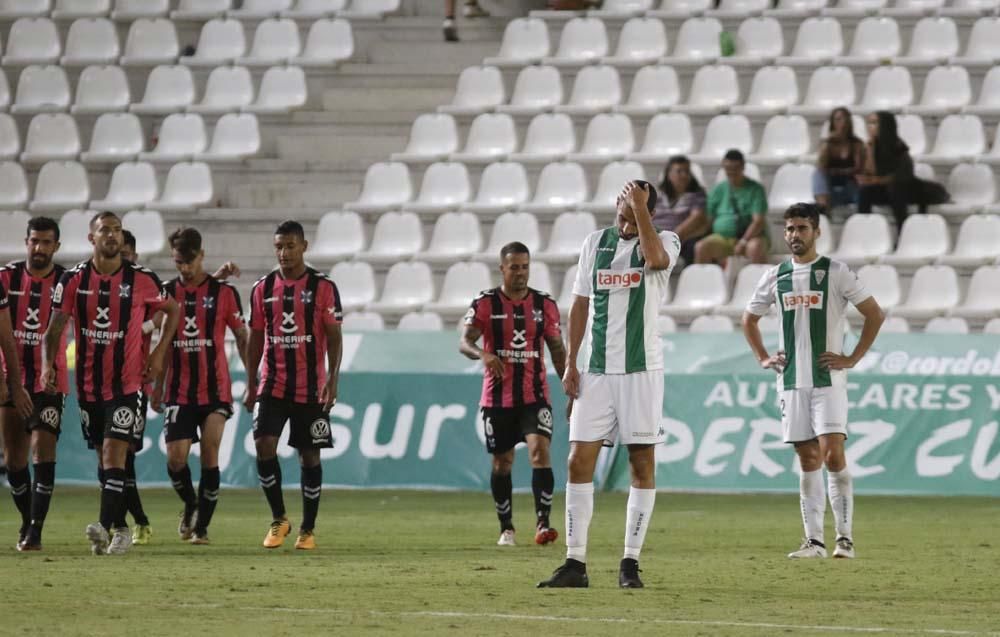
637,196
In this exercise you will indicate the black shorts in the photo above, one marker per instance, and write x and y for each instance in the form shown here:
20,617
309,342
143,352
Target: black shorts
507,426
116,419
47,415
310,424
182,422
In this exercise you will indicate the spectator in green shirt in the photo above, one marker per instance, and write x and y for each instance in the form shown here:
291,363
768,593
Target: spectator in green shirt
737,208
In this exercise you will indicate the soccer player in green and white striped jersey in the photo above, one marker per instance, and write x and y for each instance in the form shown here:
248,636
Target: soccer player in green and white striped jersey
811,293
618,390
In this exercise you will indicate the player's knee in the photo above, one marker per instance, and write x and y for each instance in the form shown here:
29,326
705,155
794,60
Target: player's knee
540,457
209,455
503,463
309,457
267,447
834,459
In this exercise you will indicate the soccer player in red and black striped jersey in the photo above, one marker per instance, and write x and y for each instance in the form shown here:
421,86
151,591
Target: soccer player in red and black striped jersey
108,299
513,320
196,388
295,316
29,285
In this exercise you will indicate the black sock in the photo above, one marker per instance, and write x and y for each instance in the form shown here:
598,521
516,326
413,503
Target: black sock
132,501
269,472
181,480
100,476
208,495
312,484
113,498
502,487
45,479
542,485
20,490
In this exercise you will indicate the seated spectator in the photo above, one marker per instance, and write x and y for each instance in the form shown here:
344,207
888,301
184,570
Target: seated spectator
841,157
681,205
887,177
737,210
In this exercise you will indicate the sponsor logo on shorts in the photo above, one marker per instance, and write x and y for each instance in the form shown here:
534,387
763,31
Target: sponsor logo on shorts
50,416
122,419
619,280
812,300
84,418
320,431
545,419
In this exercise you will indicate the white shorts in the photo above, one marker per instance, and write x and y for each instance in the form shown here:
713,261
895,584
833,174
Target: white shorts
813,411
626,407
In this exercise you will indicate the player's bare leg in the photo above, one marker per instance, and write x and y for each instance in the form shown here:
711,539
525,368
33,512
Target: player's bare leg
113,456
502,489
312,486
44,460
812,500
641,498
269,472
841,492
180,479
208,486
15,455
579,509
542,486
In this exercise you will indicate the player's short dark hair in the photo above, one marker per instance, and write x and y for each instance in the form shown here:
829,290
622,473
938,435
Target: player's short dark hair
291,227
651,199
104,214
129,239
514,247
804,210
43,224
734,154
187,242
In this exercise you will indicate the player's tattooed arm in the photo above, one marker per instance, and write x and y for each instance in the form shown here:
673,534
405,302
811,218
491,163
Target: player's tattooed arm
51,343
558,352
334,354
468,347
255,352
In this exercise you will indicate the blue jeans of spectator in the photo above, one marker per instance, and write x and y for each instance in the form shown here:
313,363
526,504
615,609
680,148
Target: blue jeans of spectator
843,191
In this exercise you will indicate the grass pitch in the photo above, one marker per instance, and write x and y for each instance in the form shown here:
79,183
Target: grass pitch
417,563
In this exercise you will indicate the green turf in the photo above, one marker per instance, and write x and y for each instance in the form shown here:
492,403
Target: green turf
417,563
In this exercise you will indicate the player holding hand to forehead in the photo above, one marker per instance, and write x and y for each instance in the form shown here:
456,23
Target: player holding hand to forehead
811,293
617,385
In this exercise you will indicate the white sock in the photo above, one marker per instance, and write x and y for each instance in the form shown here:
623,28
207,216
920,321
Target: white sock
813,503
579,510
640,510
841,490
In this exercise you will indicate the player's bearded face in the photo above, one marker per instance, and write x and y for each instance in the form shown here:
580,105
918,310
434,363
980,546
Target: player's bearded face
800,237
41,247
107,237
626,221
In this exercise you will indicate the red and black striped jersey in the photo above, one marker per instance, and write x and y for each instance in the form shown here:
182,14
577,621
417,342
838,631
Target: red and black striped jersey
199,367
108,311
30,301
515,332
293,314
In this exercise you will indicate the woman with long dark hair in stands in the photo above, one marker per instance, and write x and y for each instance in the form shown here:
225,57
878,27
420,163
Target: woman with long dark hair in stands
841,158
887,178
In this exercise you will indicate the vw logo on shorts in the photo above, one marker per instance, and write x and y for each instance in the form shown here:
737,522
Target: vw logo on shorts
123,417
50,416
320,428
545,418
84,418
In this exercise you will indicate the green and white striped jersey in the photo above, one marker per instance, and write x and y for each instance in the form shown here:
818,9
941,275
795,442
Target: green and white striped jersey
812,300
625,299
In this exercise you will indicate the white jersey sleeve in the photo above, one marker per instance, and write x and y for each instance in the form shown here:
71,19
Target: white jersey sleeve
764,294
584,283
849,285
672,244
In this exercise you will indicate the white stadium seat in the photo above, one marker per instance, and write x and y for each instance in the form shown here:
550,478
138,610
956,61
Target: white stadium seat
74,225
12,243
759,41
387,185
433,136
895,325
200,9
525,41
408,286
479,88
134,10
992,326
913,8
221,41
229,88
863,239
875,39
989,95
462,282
236,137
959,137
983,298
456,236
181,137
275,41
13,185
116,137
818,41
972,188
73,9
397,236
922,240
4,91
492,136
168,89
796,8
723,133
700,289
697,43
328,43
445,186
934,40
133,185
32,41
946,89
667,134
41,89
550,137
147,226
259,9
561,186
596,89
655,88
10,139
910,128
613,178
977,242
714,89
503,186
420,322
933,291
746,282
565,299
340,235
188,186
882,282
711,324
370,9
10,9
511,226
681,8
888,88
641,41
622,8
785,138
774,90
51,137
537,89
91,41
356,283
583,40
101,89
740,8
609,136
983,45
791,184
282,89
61,185
568,232
363,322
946,325
829,87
